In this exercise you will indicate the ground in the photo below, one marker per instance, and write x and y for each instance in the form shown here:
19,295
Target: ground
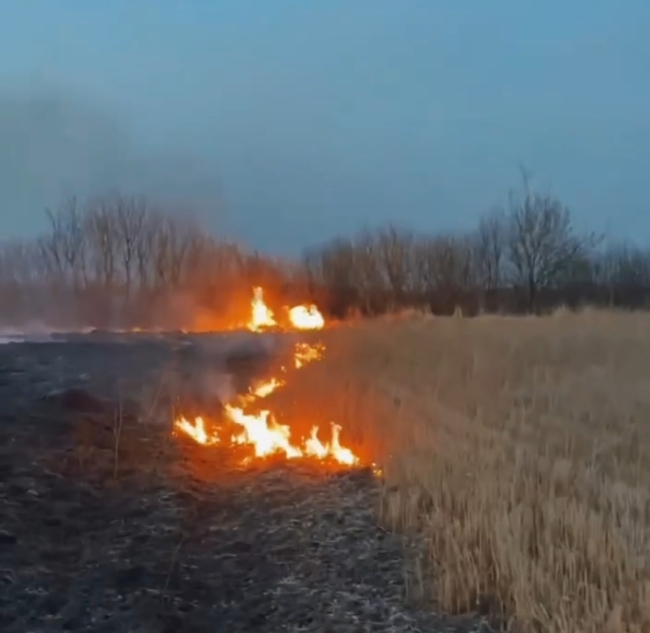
515,485
108,523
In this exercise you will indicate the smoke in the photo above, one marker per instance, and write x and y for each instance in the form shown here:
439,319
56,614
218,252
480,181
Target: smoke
53,145
212,369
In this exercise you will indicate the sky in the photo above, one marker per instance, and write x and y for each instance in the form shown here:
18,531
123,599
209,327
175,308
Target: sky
286,122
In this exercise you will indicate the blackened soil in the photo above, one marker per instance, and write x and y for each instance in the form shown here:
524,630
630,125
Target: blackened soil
108,523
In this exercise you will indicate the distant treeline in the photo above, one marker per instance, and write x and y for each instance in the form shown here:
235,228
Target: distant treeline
474,301
122,261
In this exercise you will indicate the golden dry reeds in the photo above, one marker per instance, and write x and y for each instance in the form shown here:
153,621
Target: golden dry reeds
517,449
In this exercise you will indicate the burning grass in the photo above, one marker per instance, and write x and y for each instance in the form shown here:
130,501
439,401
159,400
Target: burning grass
246,420
518,449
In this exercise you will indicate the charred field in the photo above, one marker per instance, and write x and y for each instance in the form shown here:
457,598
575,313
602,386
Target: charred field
109,523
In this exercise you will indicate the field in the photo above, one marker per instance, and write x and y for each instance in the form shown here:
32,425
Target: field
515,449
108,523
510,485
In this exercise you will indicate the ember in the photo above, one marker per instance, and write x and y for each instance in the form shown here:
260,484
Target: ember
306,353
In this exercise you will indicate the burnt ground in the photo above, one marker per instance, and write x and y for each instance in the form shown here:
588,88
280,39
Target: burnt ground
173,537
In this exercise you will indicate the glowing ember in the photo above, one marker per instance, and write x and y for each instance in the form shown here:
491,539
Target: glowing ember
306,353
259,430
306,318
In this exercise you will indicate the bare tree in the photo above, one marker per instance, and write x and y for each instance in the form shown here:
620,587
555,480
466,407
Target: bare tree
337,266
145,250
21,263
444,268
490,247
395,249
372,262
628,265
131,214
623,269
103,237
64,248
181,239
542,244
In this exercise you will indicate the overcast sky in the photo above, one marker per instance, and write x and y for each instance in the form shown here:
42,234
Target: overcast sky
288,121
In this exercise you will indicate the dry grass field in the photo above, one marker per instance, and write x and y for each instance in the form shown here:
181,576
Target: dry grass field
517,449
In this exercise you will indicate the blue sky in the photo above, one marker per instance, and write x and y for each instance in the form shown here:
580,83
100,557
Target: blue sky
289,121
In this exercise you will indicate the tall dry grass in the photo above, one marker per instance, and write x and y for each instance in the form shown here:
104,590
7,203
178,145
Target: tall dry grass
518,449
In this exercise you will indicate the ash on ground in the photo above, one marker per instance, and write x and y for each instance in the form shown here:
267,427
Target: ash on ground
107,523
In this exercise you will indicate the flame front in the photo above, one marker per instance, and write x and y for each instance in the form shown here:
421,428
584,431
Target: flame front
260,430
196,430
268,437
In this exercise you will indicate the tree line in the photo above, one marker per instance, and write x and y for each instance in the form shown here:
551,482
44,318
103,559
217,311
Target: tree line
123,261
525,258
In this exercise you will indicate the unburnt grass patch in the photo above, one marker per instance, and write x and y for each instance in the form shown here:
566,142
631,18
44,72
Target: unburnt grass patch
516,449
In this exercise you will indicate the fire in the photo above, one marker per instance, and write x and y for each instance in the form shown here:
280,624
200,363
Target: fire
261,316
263,389
306,353
266,437
301,317
260,430
306,318
196,430
314,447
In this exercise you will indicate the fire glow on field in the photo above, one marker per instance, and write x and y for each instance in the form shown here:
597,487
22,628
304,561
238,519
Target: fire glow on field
260,430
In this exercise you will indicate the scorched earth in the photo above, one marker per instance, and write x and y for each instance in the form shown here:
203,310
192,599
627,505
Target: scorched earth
109,522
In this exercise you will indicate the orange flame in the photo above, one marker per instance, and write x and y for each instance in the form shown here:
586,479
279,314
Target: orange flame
301,317
306,318
306,353
263,389
261,316
260,430
196,430
268,437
